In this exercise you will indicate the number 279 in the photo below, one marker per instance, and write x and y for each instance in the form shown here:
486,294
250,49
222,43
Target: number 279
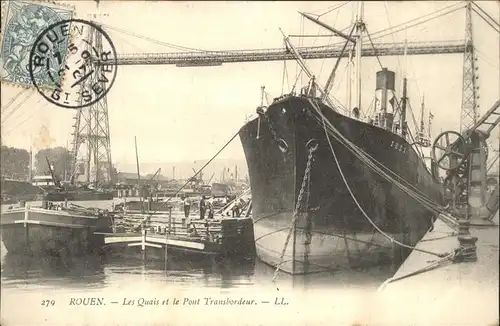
48,303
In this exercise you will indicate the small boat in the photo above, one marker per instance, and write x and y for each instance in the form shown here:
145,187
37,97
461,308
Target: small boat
14,191
219,236
56,190
53,230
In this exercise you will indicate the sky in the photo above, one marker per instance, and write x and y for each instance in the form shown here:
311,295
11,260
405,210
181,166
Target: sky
183,114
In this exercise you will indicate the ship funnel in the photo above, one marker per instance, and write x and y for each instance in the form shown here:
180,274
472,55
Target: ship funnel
385,100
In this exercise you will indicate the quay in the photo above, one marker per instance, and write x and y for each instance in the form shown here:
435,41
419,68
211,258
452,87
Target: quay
226,236
429,290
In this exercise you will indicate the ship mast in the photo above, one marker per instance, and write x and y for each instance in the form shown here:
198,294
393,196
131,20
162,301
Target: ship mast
404,98
359,34
429,124
422,125
403,110
307,71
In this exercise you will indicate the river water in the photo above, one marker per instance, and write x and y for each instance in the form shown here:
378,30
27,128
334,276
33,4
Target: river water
30,279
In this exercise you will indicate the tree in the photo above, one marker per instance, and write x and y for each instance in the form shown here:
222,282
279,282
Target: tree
59,158
14,162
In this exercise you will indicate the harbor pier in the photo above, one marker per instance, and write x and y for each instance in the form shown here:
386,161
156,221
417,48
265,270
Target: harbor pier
458,289
218,236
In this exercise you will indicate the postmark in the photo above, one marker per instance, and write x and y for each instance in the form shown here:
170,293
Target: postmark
88,62
22,23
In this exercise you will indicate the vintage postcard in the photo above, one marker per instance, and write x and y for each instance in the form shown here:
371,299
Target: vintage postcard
249,162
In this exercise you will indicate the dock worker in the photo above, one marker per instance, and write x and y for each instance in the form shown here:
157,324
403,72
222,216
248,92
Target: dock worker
186,203
203,206
210,209
236,209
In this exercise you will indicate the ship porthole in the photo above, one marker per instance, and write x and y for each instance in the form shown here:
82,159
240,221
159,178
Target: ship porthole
282,145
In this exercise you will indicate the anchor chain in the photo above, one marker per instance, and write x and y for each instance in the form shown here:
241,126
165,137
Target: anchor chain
262,113
308,226
312,146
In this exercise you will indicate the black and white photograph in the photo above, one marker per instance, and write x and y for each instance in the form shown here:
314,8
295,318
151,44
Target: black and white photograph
249,162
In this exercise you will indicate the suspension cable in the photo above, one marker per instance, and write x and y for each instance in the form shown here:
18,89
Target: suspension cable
487,15
26,119
13,99
405,24
485,20
17,107
416,24
170,45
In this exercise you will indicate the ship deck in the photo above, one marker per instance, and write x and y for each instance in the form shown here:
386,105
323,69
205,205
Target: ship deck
464,293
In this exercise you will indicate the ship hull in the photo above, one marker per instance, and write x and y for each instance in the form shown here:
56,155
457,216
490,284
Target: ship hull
14,191
78,196
331,232
40,231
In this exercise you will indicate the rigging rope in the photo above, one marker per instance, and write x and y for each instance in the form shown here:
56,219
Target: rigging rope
440,262
296,80
374,49
385,172
361,208
334,8
285,73
329,43
393,38
341,78
371,107
194,176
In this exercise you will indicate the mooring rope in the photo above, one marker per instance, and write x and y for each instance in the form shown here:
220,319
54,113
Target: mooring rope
422,198
361,208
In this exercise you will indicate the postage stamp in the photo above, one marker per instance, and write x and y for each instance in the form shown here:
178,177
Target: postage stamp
88,61
23,22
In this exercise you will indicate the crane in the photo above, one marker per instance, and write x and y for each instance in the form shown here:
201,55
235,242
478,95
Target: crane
464,159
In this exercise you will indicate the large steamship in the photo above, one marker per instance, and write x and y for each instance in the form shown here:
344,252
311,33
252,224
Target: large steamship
344,203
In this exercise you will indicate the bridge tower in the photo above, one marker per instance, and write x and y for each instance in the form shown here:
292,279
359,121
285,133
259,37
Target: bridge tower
469,112
91,137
